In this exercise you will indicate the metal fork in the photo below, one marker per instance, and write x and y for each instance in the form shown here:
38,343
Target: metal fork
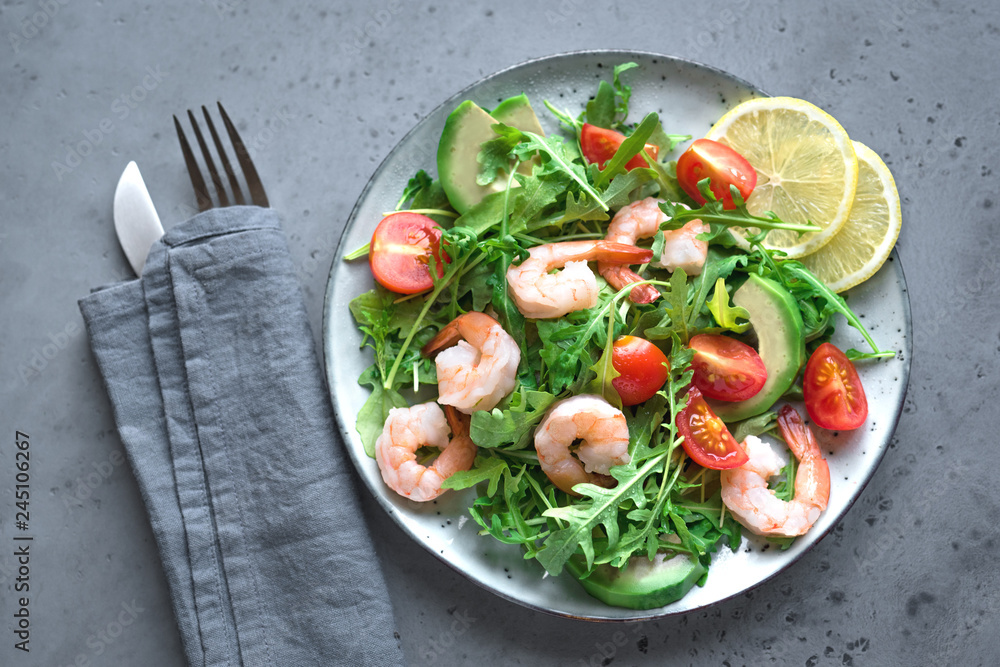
255,187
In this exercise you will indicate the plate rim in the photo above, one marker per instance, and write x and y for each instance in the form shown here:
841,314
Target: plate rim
391,511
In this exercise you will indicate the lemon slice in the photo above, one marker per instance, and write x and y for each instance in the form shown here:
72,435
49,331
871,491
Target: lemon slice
806,167
863,244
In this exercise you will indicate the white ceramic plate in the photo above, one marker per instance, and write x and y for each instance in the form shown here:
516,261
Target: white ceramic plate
689,98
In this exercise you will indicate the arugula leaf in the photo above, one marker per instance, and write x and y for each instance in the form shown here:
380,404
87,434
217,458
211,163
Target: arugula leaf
584,209
477,283
700,530
432,197
616,195
675,311
420,181
601,109
692,512
486,468
666,142
485,215
724,314
619,191
534,197
600,508
669,189
504,515
563,361
565,119
556,157
373,311
495,155
609,108
649,418
758,425
605,371
510,318
511,427
623,93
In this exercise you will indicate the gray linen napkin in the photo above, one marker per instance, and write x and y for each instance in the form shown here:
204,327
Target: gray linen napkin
219,399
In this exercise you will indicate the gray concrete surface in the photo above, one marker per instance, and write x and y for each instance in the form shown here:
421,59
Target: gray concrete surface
323,91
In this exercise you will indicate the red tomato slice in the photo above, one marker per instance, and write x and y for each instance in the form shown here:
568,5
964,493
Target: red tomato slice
726,369
710,159
400,252
643,367
832,390
599,145
706,439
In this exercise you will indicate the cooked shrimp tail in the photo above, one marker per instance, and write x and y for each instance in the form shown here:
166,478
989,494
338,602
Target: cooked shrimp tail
447,337
812,478
619,276
621,253
640,219
745,492
458,422
463,327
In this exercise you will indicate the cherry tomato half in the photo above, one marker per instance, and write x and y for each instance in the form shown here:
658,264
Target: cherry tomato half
643,367
599,145
710,159
400,252
726,369
832,390
707,440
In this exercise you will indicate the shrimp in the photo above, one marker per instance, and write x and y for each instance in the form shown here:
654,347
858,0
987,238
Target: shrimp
539,294
600,426
408,429
479,366
642,219
683,250
745,492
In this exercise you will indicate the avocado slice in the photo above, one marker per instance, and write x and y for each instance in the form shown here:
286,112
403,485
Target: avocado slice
517,112
776,320
466,129
642,583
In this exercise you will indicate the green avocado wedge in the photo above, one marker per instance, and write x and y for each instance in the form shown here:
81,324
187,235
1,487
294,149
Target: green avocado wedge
642,583
776,320
517,112
465,130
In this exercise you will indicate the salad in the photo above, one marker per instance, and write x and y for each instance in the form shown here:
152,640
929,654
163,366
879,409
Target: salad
678,369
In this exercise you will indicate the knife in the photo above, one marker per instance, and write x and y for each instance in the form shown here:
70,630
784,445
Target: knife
136,222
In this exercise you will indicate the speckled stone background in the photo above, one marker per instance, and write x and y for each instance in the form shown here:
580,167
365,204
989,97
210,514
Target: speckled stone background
322,91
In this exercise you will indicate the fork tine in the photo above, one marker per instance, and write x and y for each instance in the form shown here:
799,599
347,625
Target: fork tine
257,194
209,162
194,171
234,182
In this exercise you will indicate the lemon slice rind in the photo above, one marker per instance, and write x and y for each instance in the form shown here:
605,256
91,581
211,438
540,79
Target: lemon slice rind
865,242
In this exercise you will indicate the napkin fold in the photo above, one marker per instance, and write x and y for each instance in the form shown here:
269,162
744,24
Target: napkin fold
218,396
